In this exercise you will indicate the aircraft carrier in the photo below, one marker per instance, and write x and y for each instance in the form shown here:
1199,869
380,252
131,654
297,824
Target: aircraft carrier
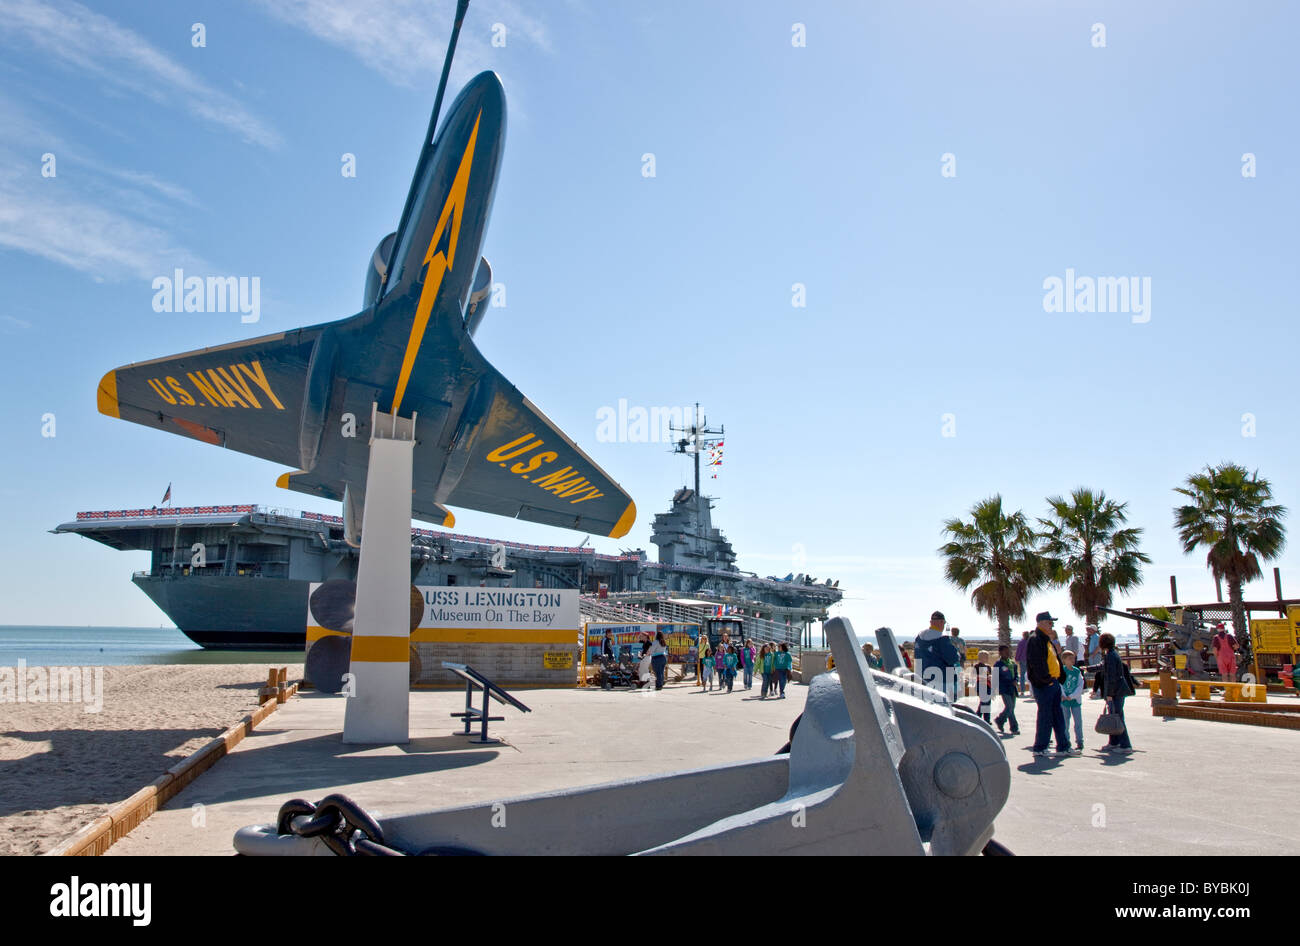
250,590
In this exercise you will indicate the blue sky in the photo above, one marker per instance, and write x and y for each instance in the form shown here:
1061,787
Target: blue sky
775,164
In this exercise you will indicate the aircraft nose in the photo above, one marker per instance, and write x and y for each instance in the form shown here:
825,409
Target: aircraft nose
488,78
485,86
482,96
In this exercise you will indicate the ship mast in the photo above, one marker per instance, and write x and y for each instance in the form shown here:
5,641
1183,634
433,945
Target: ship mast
696,438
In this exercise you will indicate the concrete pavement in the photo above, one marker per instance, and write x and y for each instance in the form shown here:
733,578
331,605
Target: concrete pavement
1165,798
572,737
1169,797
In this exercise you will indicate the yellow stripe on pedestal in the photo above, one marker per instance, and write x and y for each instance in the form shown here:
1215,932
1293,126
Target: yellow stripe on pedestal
377,650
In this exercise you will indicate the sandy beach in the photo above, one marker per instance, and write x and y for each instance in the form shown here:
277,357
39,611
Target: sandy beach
61,766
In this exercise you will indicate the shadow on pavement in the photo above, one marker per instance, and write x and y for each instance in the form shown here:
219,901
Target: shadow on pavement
324,762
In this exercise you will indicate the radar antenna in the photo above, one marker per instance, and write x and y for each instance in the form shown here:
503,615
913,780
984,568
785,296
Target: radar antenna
697,438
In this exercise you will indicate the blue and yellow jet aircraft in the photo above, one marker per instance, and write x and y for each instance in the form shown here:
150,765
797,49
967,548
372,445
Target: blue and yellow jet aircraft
481,444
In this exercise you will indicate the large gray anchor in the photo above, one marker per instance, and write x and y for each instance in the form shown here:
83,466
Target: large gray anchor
877,765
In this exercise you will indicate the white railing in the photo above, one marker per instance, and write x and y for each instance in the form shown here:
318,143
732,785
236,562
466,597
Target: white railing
603,611
760,629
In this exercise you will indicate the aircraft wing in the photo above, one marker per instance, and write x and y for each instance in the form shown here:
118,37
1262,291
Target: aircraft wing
480,443
246,396
514,462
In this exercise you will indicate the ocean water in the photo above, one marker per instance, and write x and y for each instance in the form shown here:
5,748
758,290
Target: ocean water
120,646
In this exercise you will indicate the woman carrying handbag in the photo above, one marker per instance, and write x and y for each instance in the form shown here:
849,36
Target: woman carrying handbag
1116,685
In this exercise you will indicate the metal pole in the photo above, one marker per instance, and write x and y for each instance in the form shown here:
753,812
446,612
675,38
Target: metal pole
461,7
1173,588
696,432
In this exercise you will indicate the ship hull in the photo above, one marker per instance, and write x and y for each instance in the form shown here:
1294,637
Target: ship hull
232,612
248,590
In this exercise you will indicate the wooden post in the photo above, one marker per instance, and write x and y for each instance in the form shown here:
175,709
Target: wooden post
267,692
1166,694
1173,588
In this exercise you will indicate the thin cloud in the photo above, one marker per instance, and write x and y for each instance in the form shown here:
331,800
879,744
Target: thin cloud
149,181
82,235
11,325
405,40
24,134
107,223
81,39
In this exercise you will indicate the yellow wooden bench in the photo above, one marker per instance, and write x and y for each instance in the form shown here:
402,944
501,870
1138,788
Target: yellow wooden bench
1245,692
1232,692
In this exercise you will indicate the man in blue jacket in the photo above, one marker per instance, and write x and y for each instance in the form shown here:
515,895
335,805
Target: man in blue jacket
1046,674
937,659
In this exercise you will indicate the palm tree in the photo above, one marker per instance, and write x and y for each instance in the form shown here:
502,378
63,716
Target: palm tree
1232,514
996,554
1088,549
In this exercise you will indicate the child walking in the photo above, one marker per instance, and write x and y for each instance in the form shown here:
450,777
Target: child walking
731,666
1008,688
1072,700
984,685
708,670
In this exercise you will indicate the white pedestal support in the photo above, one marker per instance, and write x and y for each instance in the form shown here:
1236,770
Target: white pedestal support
378,711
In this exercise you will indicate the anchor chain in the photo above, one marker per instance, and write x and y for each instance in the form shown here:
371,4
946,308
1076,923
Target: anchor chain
347,829
341,824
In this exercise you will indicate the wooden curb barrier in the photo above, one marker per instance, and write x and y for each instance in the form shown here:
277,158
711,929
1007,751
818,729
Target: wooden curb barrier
1217,712
1248,707
97,837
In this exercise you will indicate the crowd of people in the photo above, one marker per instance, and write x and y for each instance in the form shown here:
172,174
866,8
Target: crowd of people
728,659
721,663
1057,672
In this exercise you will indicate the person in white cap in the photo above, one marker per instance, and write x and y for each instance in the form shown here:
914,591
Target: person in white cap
1093,657
1071,641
